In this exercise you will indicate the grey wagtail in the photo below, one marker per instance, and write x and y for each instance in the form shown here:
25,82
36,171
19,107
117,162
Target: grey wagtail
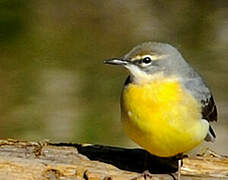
166,107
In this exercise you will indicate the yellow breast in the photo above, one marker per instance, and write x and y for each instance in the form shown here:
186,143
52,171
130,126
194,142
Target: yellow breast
162,117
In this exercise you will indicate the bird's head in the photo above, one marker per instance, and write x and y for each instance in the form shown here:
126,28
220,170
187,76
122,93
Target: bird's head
150,59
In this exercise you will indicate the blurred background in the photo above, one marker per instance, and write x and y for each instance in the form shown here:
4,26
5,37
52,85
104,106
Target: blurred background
54,85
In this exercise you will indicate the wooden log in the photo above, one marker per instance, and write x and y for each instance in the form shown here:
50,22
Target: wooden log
51,161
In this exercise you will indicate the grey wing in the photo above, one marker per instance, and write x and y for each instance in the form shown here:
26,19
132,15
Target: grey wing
201,92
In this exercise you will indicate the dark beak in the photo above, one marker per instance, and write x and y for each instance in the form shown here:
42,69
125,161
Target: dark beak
116,61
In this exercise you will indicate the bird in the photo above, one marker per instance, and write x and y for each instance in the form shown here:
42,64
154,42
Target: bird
166,106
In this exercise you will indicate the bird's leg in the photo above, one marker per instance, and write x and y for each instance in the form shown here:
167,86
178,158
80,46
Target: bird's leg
146,173
179,169
179,159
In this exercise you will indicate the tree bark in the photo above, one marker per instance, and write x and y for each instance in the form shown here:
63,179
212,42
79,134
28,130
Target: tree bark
51,161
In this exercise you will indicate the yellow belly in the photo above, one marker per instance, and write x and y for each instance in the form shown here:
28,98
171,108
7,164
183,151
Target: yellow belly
162,117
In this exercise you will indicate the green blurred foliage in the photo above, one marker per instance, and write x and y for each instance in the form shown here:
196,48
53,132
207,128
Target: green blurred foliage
53,81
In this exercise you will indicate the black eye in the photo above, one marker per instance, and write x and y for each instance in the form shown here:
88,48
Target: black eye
146,60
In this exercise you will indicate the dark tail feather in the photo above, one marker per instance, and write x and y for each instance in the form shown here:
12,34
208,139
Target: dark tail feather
210,135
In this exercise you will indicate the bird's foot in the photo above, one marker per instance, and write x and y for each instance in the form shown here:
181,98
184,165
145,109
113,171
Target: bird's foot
145,175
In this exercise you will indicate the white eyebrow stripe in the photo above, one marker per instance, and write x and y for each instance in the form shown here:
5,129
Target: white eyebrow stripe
154,57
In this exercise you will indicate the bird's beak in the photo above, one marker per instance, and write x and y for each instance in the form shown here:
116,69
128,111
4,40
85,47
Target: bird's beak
116,61
134,70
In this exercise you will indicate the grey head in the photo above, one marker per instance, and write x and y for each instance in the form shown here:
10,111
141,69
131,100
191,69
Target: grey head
154,57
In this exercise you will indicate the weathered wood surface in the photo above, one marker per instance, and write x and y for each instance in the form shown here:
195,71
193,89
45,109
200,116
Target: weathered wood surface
47,161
